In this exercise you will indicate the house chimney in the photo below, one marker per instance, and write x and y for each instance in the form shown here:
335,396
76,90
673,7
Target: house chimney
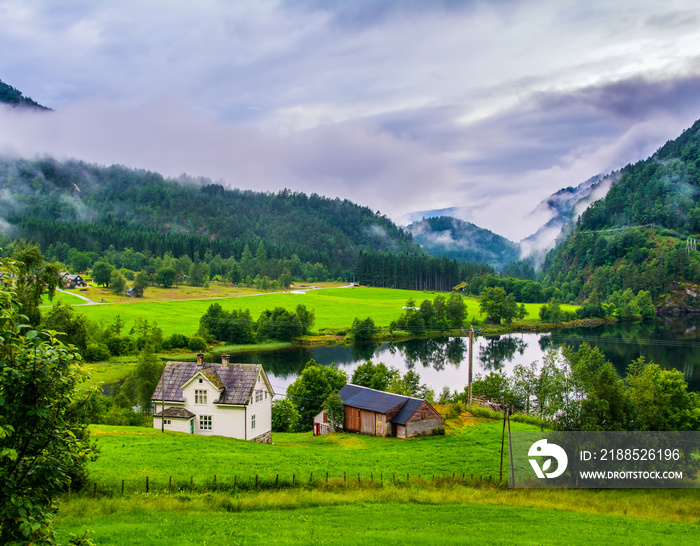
224,360
200,359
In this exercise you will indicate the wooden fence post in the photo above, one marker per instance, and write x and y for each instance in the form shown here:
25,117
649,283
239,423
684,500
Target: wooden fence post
294,479
122,488
94,492
170,484
311,478
146,484
256,481
277,480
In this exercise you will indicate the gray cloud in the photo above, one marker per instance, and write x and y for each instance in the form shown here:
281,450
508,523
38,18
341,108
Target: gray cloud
483,108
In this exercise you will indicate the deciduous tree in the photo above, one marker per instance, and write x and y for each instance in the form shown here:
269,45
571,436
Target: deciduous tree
43,443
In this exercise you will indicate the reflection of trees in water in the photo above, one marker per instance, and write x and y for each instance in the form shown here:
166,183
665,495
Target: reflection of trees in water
455,350
499,350
435,352
361,352
671,343
278,363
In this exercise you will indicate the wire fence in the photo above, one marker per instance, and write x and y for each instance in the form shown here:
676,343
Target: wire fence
260,482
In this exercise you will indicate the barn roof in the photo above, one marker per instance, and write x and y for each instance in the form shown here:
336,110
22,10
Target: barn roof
235,381
407,411
380,401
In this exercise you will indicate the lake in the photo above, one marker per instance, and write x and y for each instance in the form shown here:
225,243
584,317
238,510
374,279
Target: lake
441,362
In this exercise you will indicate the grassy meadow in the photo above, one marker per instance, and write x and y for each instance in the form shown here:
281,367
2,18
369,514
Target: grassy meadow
360,523
411,511
132,454
336,308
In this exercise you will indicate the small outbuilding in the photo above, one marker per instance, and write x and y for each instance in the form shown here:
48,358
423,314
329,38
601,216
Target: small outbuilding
379,413
71,281
321,424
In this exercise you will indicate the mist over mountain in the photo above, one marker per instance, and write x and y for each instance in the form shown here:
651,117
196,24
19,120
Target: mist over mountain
640,235
91,207
563,209
464,241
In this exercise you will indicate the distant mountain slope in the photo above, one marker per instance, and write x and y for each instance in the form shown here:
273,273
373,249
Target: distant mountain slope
91,207
636,237
563,208
14,97
454,238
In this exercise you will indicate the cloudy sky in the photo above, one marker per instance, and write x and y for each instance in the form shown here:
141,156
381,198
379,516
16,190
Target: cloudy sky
481,107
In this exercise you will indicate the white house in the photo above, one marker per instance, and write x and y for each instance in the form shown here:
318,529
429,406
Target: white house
233,400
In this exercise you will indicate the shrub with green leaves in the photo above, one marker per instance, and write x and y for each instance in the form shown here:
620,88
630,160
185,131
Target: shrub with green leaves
44,444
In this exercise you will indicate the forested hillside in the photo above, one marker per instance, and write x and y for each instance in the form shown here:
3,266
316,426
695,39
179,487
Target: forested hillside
91,208
641,235
14,97
454,238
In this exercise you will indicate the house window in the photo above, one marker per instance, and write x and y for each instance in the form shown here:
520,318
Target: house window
167,421
200,397
252,421
265,395
205,422
258,396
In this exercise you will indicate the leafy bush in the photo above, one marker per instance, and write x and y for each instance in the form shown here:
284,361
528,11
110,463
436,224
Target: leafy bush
196,343
285,417
363,330
176,341
96,352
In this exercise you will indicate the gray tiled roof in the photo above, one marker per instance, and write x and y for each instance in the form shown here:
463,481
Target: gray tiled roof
175,413
407,411
370,399
380,401
236,380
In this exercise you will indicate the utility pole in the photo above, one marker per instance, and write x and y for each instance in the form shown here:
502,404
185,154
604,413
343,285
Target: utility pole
471,360
162,406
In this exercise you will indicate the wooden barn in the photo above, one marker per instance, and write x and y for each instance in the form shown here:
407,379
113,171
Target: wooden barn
369,411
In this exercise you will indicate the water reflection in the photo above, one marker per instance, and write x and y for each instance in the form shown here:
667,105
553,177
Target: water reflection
501,349
438,361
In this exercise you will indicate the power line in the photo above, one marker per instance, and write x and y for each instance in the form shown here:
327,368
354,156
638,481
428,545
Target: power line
640,341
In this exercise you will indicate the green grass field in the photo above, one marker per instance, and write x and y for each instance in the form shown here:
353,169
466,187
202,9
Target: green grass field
132,454
418,510
369,523
335,308
61,297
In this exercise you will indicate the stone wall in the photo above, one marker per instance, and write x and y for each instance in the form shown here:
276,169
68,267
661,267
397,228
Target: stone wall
265,438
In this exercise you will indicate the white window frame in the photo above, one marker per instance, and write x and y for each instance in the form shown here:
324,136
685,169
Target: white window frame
200,397
205,422
252,421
